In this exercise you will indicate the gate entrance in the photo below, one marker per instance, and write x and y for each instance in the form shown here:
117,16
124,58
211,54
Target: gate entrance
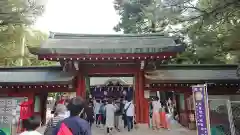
108,87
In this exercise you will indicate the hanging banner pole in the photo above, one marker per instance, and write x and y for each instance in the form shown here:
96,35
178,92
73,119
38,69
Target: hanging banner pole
201,109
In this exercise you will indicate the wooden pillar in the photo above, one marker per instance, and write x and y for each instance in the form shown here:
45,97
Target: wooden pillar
87,84
44,107
187,111
141,102
81,86
78,89
31,97
143,107
137,101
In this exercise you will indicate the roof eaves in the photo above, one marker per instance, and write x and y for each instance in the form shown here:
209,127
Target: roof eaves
31,68
197,66
57,35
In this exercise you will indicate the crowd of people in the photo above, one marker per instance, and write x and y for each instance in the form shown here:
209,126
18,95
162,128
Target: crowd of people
162,114
109,113
76,116
70,118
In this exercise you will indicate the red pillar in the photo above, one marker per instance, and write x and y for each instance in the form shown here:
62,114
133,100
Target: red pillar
186,111
141,102
137,101
81,86
31,97
141,95
144,106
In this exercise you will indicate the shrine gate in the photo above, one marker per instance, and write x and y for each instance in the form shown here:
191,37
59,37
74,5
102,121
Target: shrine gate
143,57
109,55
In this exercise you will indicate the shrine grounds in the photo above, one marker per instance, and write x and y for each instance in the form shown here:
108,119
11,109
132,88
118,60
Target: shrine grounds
142,130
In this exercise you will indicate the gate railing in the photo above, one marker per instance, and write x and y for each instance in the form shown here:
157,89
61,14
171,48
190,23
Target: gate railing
221,117
235,108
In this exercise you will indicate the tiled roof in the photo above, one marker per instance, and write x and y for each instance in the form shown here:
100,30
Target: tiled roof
191,73
94,44
32,75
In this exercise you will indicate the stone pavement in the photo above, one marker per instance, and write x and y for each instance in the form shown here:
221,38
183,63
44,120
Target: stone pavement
143,130
176,129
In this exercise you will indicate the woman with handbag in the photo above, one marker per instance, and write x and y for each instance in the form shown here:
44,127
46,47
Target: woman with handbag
129,114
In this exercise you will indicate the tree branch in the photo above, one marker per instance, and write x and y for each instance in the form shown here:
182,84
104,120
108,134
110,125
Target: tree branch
205,14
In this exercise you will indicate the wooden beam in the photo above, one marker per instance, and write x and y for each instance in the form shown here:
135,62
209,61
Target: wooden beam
111,71
176,89
211,90
137,100
5,91
107,57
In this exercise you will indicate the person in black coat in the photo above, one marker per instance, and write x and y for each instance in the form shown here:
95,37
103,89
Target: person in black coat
122,104
118,113
89,112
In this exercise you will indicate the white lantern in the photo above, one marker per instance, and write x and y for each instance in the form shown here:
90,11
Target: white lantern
105,93
76,65
124,92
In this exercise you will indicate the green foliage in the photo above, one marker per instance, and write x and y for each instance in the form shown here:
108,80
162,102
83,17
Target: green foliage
16,18
19,12
209,27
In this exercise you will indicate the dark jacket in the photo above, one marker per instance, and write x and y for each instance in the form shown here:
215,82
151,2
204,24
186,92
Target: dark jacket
76,125
90,113
121,109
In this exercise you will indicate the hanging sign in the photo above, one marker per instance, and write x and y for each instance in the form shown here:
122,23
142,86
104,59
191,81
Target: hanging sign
201,109
9,113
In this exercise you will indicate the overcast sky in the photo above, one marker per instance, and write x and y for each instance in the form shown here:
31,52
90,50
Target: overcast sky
79,16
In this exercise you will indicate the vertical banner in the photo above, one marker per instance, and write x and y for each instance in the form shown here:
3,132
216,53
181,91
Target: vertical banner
201,109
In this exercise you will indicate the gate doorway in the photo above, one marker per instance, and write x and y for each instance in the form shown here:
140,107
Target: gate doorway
111,87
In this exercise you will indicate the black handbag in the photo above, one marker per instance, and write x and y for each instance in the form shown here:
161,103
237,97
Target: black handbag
49,129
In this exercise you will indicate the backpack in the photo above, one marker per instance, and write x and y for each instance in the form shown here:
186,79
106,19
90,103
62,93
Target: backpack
64,130
118,109
73,126
48,131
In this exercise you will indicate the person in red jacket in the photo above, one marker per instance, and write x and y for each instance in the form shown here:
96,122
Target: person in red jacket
63,100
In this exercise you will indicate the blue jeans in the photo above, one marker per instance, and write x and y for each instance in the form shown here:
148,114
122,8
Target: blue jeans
129,122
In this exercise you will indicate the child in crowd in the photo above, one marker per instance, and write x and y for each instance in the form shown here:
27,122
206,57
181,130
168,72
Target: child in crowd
30,125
